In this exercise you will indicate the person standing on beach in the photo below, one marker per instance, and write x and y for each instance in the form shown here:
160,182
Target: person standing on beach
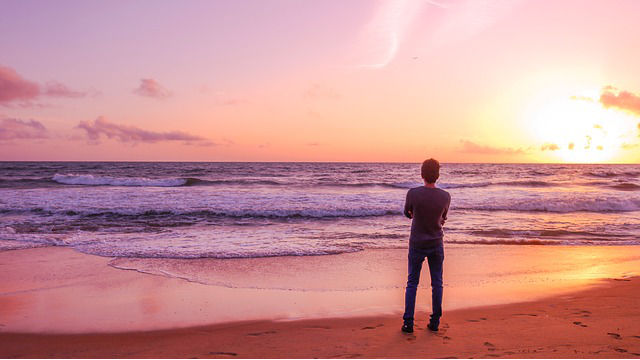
427,206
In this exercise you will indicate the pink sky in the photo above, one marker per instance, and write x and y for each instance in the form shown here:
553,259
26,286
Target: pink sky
266,80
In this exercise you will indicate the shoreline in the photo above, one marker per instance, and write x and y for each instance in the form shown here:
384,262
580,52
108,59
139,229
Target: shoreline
600,322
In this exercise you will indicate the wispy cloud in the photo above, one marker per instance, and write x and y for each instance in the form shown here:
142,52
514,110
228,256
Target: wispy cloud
16,129
101,127
627,146
550,147
620,99
56,89
471,147
392,20
223,98
151,88
384,32
582,98
14,87
467,18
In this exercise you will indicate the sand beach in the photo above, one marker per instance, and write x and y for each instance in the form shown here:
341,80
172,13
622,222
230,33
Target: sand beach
56,302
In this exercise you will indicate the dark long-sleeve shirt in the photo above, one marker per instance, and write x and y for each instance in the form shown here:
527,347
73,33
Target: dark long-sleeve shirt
429,207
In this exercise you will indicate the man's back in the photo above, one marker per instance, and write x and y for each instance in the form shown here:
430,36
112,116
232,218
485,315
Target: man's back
428,207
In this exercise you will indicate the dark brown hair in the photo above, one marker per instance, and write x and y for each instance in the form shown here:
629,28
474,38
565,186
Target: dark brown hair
430,170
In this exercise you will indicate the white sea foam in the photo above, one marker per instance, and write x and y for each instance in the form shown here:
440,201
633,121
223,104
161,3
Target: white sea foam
445,185
561,204
18,245
88,179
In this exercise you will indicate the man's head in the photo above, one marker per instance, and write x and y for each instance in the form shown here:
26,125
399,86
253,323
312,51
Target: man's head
430,170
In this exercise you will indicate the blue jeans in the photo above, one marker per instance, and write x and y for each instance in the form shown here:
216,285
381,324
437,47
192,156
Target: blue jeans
435,258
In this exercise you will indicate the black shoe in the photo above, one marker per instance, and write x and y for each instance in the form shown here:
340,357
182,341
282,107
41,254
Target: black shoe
407,328
432,327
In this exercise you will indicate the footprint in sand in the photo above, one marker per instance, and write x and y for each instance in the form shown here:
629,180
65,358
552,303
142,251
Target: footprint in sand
489,346
615,336
477,320
525,315
345,356
372,327
223,353
583,313
262,333
579,324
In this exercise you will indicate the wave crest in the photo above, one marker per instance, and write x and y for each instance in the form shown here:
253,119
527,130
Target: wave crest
626,187
88,179
560,205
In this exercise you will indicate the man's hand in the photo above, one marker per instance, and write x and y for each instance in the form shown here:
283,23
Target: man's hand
442,222
410,214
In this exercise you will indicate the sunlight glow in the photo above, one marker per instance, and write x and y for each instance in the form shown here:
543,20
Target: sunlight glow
578,129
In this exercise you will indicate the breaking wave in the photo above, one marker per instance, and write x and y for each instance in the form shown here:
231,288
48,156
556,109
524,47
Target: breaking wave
560,205
88,179
626,187
104,180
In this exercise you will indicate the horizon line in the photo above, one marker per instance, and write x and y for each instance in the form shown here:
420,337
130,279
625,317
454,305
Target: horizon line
310,162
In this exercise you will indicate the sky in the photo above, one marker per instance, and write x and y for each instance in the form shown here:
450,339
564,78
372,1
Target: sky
332,80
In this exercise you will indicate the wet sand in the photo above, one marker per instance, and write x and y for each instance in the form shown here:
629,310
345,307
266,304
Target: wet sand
55,302
598,323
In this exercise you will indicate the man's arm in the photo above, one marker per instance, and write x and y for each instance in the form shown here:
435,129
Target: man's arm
446,211
408,207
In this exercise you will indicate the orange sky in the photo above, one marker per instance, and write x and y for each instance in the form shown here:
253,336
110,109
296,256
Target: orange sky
396,80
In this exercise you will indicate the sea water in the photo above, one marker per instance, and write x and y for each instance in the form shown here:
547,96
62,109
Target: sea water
247,210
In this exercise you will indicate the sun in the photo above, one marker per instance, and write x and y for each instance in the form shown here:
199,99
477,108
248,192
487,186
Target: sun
578,129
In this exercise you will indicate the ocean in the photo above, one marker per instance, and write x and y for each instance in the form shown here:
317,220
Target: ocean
247,210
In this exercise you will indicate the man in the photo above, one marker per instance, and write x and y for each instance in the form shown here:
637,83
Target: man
427,205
